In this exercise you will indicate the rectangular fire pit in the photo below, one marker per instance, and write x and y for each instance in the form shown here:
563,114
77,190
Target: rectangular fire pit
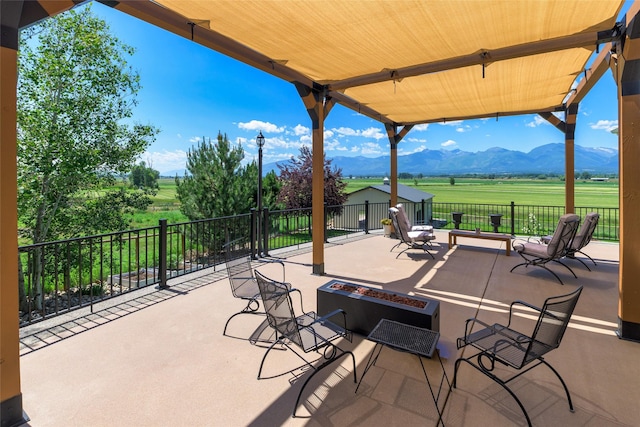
365,306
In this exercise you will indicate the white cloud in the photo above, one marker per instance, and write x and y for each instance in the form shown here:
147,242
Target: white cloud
300,130
328,133
537,121
451,123
344,131
420,128
413,150
371,148
195,139
372,133
422,140
448,143
607,125
463,129
164,161
257,125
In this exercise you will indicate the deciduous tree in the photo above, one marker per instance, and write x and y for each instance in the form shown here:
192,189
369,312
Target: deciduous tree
76,95
296,177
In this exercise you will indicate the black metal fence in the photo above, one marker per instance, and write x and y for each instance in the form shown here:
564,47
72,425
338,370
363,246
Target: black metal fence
57,277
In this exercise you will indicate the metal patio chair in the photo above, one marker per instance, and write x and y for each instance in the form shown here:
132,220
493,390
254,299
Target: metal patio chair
413,239
243,283
518,350
411,227
583,237
307,331
539,254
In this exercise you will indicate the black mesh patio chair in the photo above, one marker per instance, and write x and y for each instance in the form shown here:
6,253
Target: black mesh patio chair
243,283
539,254
412,239
307,331
518,350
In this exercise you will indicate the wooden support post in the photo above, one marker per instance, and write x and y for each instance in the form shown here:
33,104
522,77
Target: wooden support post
628,79
571,115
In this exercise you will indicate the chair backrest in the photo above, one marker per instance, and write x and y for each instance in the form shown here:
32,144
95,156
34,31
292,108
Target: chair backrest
240,275
403,215
400,225
279,308
583,236
562,237
552,324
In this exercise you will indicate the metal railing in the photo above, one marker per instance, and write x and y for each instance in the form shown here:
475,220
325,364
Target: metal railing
57,277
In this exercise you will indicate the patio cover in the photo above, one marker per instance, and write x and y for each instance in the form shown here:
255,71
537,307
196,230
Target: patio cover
410,61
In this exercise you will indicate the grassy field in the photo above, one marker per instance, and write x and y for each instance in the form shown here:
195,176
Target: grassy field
547,192
544,192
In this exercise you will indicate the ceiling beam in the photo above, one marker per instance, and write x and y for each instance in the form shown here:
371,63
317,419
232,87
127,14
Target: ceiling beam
479,58
356,106
591,76
165,18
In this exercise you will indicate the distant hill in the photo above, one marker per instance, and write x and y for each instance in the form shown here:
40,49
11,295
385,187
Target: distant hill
545,159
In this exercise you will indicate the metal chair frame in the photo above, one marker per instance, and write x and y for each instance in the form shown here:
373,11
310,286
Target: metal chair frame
583,237
244,285
413,239
539,254
308,331
522,352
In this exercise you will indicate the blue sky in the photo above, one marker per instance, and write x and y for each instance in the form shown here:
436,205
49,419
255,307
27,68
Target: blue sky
190,92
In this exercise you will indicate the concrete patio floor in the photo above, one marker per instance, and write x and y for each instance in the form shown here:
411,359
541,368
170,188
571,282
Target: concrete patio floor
160,359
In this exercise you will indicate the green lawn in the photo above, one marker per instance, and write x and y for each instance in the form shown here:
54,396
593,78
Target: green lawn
547,192
544,192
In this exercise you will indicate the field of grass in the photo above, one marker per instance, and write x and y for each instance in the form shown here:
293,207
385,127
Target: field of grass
547,192
543,192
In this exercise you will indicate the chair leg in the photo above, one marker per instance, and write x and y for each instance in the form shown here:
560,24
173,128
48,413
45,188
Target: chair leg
280,341
526,264
580,252
249,309
572,256
566,389
494,378
317,369
565,266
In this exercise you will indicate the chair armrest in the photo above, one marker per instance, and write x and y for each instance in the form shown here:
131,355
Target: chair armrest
461,342
335,313
292,290
272,261
523,303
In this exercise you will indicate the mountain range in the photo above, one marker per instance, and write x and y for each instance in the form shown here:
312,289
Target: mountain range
546,159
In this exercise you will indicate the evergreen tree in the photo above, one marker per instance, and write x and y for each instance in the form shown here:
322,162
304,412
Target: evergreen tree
217,184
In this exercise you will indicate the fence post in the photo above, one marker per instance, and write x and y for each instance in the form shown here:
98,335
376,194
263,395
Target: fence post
163,254
252,238
265,231
366,217
513,218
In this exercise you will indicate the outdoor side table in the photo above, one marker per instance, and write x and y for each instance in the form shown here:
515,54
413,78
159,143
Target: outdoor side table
411,339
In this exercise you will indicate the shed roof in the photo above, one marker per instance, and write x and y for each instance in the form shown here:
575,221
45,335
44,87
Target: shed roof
404,192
